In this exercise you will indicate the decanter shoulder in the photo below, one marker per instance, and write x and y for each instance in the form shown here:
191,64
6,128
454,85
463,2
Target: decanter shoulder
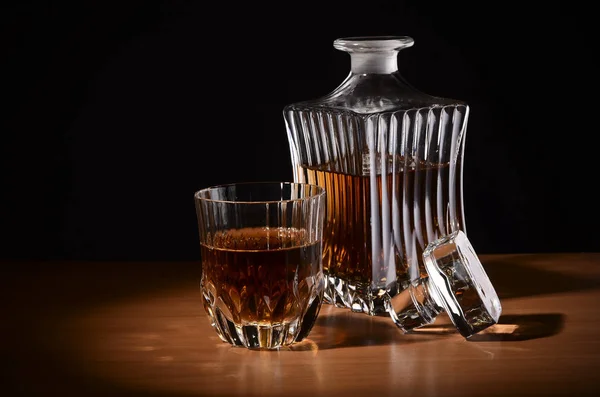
373,93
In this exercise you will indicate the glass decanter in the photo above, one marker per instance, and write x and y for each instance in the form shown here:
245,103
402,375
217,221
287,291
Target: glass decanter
390,158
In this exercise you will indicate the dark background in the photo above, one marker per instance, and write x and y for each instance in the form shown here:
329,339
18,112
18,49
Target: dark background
116,113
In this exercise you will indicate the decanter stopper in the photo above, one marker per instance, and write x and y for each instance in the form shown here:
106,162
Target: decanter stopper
456,282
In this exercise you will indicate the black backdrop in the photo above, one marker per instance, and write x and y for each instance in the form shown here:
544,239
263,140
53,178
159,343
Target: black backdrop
116,113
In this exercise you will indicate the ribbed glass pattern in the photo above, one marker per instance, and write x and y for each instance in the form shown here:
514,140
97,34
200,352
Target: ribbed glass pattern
394,183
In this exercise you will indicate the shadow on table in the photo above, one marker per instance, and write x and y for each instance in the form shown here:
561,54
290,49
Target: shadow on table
340,331
511,327
516,276
335,328
516,327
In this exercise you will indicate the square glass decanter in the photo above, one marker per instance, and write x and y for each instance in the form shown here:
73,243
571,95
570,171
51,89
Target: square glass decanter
390,158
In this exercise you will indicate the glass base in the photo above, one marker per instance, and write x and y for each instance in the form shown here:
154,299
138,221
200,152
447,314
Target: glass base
265,335
358,297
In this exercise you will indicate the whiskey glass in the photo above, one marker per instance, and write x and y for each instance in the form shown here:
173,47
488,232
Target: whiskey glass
261,251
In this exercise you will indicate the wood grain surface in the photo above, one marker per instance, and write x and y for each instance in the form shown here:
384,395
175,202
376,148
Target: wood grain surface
139,329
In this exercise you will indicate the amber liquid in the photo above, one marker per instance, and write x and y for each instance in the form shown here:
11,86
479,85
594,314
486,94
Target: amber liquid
262,276
377,226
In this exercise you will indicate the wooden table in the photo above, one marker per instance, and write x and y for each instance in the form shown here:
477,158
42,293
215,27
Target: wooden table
138,329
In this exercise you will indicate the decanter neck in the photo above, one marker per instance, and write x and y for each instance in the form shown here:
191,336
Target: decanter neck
373,55
374,63
415,306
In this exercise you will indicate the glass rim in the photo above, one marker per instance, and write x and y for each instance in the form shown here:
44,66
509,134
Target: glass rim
318,192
